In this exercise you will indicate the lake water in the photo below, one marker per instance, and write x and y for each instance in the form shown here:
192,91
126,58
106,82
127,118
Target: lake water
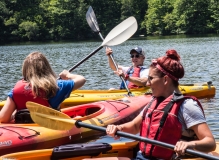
199,56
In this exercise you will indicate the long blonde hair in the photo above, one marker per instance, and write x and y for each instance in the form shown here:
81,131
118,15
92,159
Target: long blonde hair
37,71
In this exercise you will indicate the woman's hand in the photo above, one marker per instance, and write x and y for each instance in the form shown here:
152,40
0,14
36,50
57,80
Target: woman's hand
111,130
181,147
64,74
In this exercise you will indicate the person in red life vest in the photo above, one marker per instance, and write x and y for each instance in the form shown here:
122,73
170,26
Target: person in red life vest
40,85
136,75
170,117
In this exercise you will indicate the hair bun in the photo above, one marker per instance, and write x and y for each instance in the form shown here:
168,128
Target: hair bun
171,53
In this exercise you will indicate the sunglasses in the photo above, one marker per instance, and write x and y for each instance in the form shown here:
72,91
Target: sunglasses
150,78
136,56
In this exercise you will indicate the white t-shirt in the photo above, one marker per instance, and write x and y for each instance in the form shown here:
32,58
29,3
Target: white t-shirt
190,114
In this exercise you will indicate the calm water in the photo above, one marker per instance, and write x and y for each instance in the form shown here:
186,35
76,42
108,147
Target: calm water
199,56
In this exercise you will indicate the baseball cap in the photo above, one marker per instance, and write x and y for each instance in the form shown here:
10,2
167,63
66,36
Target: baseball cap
138,50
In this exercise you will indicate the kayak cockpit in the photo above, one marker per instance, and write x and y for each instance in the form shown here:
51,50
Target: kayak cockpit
86,111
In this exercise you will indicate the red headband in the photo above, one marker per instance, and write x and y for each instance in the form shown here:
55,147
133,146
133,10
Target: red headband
162,70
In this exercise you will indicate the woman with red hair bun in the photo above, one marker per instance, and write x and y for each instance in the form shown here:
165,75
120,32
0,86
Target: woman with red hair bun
170,117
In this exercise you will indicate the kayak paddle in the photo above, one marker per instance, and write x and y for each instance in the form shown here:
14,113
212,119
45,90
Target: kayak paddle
92,22
50,118
117,35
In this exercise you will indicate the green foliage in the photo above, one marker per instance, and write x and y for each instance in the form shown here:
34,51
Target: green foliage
29,30
127,9
193,15
136,8
4,12
108,13
65,19
213,22
158,18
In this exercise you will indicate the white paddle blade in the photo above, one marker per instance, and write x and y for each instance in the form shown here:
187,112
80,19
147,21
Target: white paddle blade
92,20
121,32
49,118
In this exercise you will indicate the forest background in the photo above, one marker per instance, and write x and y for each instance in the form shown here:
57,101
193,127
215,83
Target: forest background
43,20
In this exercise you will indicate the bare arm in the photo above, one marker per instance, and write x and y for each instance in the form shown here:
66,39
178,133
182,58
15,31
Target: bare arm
136,80
111,64
79,80
7,110
132,127
206,142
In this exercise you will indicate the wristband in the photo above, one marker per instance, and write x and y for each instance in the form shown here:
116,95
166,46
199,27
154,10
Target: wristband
126,77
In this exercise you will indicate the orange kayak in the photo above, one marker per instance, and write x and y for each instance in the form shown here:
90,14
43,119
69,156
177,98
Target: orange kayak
22,137
99,151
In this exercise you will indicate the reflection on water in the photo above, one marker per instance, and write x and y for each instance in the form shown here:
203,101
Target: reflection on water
199,56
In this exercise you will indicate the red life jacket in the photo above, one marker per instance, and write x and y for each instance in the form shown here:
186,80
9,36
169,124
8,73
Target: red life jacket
136,73
22,93
132,72
160,122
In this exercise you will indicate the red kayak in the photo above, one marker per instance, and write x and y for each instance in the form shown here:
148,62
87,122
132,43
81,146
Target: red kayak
22,137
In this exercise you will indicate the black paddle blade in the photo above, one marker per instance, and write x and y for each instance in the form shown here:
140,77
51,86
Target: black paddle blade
92,20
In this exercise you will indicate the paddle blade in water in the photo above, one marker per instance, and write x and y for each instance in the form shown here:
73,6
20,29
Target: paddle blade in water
49,118
121,32
92,20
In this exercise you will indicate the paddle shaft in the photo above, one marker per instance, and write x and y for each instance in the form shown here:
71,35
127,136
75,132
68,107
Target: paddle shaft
85,58
129,92
117,35
96,29
50,118
142,139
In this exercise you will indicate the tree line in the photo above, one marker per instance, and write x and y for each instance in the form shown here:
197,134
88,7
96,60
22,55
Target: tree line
41,20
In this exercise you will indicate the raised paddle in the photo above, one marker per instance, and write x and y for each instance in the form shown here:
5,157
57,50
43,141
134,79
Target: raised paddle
117,35
92,21
53,119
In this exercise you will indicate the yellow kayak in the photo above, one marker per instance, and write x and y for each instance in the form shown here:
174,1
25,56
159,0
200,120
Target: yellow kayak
78,97
85,150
